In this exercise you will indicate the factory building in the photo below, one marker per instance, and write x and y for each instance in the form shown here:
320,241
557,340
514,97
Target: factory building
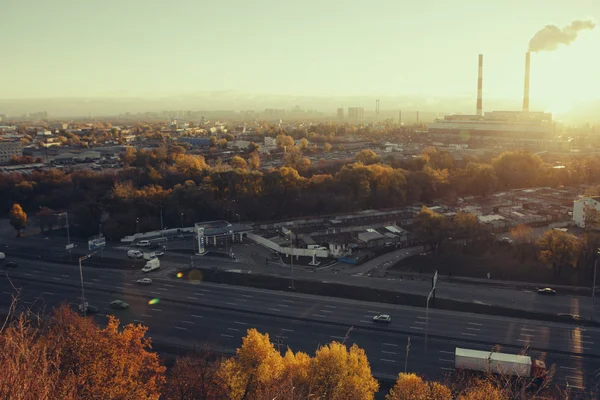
523,124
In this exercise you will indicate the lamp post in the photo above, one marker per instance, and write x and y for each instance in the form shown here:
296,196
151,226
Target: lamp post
238,215
137,225
83,306
66,214
182,222
292,257
594,281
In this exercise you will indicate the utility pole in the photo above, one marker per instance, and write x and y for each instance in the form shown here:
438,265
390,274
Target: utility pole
594,281
162,229
292,259
83,302
406,358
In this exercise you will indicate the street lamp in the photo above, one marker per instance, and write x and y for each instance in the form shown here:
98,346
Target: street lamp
594,281
291,256
181,220
137,225
238,215
66,215
83,307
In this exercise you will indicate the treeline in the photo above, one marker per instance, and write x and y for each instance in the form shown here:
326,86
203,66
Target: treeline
186,188
67,356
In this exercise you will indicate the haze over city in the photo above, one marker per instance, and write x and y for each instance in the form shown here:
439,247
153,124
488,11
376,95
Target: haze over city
418,55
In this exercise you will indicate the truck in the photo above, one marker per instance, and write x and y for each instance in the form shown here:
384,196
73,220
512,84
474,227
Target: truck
151,265
500,363
149,256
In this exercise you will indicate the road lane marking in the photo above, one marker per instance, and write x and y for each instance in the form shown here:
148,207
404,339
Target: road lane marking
36,271
319,315
390,344
49,293
416,327
188,322
447,369
146,315
526,334
120,287
376,312
575,378
468,334
390,361
156,309
239,323
523,340
475,323
64,275
338,337
128,283
474,329
420,322
287,301
224,335
163,289
274,309
231,304
528,329
446,352
388,352
247,295
27,274
325,311
199,294
96,280
233,329
329,306
287,330
281,305
139,321
364,322
9,293
205,290
196,316
57,279
570,368
585,342
192,298
181,328
421,317
168,285
444,360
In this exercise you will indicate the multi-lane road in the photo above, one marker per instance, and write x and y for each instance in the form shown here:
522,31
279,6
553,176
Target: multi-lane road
195,311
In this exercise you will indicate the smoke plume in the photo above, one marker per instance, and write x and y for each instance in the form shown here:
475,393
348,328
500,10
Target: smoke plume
550,36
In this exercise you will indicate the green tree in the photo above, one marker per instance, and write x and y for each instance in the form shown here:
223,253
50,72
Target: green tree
17,218
559,250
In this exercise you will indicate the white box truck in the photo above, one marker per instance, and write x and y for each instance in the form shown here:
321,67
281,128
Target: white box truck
151,265
149,256
499,363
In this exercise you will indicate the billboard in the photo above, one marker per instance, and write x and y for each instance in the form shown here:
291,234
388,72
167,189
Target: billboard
96,243
200,238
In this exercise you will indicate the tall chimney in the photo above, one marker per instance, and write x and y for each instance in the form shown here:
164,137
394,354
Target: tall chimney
480,87
526,91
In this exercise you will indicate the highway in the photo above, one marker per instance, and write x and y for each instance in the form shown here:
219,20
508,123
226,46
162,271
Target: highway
479,294
189,312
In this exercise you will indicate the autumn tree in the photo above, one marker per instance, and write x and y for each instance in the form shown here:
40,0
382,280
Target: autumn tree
342,373
412,387
293,158
17,218
194,377
238,162
327,147
523,236
303,144
559,250
367,157
103,363
430,227
466,225
284,141
517,169
482,390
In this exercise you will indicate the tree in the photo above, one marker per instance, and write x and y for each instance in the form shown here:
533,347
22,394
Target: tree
591,218
342,373
238,162
293,158
430,227
284,141
523,236
194,377
482,390
103,363
466,226
303,144
367,157
255,370
327,147
254,161
18,218
412,387
517,169
558,249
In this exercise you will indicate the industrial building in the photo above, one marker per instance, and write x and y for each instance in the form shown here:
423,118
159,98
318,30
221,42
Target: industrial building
523,124
9,149
356,114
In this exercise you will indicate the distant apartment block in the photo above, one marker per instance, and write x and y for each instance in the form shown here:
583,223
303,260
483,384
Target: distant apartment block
581,207
8,149
274,113
356,114
58,126
340,113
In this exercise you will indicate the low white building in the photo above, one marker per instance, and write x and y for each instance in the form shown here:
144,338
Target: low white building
580,206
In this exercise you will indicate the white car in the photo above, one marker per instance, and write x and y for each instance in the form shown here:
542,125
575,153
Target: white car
382,318
159,253
144,281
119,304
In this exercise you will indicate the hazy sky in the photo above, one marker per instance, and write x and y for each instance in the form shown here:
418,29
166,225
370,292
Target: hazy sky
314,47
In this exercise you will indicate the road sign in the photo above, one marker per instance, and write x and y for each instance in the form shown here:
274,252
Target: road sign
69,246
96,243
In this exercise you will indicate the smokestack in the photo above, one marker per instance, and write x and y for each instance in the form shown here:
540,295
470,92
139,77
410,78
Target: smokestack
480,87
526,91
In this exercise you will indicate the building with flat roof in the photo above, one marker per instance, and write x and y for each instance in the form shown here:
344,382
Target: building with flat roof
356,114
10,149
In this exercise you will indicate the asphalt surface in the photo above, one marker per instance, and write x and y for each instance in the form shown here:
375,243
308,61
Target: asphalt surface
195,311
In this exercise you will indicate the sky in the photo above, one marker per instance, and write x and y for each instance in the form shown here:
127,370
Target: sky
123,48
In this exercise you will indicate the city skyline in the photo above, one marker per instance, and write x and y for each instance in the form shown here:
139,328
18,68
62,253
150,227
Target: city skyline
394,49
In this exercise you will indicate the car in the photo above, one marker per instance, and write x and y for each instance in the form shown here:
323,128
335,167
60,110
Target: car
11,264
144,281
547,290
120,304
382,318
159,253
89,309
